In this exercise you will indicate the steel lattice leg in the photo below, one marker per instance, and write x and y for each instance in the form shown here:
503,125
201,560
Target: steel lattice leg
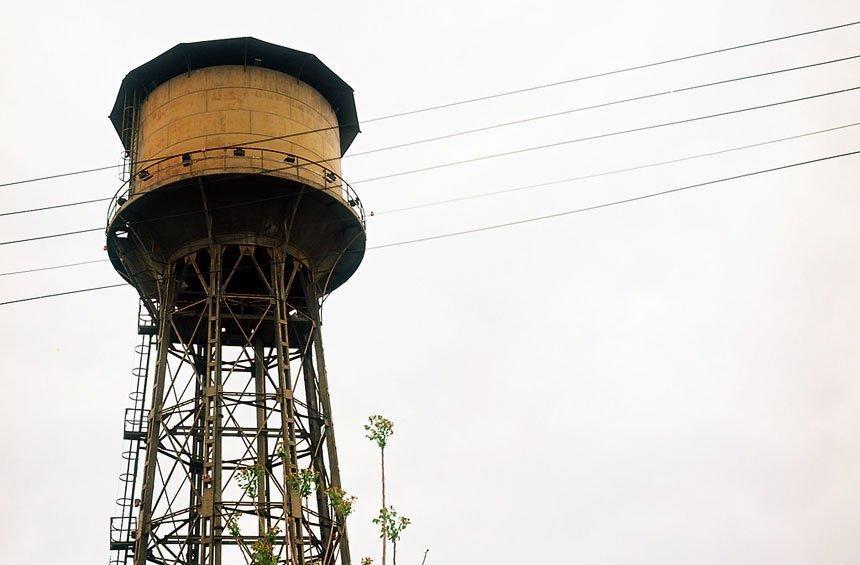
240,390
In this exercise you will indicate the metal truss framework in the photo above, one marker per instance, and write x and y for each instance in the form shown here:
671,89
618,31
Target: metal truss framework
239,390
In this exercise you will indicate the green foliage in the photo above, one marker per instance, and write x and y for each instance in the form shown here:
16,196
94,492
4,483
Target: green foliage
304,482
366,561
340,501
379,430
249,480
233,525
390,524
263,550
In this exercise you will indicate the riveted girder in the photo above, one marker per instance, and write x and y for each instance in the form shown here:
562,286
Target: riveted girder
240,451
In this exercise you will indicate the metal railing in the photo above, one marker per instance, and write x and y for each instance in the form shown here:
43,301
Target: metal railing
122,533
286,161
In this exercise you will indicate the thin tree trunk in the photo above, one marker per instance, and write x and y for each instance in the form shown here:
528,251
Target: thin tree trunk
384,536
394,559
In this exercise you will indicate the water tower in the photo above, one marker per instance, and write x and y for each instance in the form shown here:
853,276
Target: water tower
233,225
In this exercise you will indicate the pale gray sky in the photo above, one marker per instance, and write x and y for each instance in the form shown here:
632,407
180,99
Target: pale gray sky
673,381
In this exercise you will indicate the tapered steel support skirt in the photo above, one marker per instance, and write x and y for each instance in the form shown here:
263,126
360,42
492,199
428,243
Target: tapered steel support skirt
240,416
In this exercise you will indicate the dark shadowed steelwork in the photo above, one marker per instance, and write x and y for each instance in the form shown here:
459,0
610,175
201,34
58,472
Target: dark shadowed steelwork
233,224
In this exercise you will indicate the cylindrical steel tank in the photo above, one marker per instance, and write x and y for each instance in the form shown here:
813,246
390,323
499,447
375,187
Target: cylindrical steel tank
235,141
216,108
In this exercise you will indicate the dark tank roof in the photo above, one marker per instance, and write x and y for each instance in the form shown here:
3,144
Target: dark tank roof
187,57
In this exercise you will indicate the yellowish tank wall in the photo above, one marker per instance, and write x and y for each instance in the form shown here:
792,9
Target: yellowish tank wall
233,105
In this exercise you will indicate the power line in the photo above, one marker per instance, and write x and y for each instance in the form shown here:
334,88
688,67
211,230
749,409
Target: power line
165,157
619,71
614,202
80,290
507,153
546,184
611,172
59,175
53,206
515,122
609,134
496,95
623,201
158,279
49,236
53,267
606,105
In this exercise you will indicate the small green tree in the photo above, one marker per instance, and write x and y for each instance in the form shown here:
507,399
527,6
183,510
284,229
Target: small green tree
304,482
263,550
233,525
391,526
379,429
341,503
249,480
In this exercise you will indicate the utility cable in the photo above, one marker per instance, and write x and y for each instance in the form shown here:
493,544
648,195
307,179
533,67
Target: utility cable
606,135
55,206
49,236
620,202
617,71
538,185
602,105
521,150
511,123
525,187
53,267
80,290
614,202
546,184
505,93
609,172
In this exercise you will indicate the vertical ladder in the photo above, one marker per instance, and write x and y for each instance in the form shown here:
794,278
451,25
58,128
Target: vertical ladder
122,526
129,135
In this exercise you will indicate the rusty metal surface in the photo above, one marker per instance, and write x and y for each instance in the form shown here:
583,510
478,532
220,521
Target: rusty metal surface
259,114
248,52
231,248
219,410
223,151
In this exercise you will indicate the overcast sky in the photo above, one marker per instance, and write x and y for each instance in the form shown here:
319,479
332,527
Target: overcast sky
673,381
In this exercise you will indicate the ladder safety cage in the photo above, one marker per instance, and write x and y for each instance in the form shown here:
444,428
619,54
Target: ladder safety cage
123,526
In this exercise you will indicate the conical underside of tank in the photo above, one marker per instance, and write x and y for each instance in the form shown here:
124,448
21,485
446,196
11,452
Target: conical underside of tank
154,229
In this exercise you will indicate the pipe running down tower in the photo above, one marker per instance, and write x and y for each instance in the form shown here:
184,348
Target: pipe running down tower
233,224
